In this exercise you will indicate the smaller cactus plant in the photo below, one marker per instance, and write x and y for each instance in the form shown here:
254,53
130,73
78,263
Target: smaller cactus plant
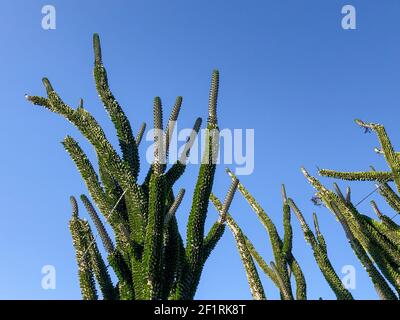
375,243
284,264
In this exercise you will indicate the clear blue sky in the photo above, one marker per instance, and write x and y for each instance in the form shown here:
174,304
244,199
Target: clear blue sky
288,70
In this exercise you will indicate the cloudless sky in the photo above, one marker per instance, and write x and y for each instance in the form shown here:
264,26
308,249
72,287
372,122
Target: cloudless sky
288,71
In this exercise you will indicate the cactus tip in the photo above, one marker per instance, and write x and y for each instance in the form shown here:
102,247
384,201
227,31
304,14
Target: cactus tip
338,191
230,173
74,205
97,48
47,85
197,124
359,122
212,105
158,113
376,209
316,224
284,196
304,171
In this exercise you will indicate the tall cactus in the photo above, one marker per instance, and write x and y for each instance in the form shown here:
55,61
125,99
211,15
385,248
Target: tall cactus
149,257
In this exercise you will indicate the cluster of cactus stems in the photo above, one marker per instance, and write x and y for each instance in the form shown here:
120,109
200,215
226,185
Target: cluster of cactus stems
285,265
148,254
376,243
149,257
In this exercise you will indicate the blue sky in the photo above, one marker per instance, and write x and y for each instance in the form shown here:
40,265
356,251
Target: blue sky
288,71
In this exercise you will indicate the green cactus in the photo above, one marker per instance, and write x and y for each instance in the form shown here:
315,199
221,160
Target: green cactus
149,257
319,248
253,278
280,270
366,240
285,264
147,253
375,243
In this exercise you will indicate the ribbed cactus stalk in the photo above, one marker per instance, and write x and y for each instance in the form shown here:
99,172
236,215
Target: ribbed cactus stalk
284,263
147,252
